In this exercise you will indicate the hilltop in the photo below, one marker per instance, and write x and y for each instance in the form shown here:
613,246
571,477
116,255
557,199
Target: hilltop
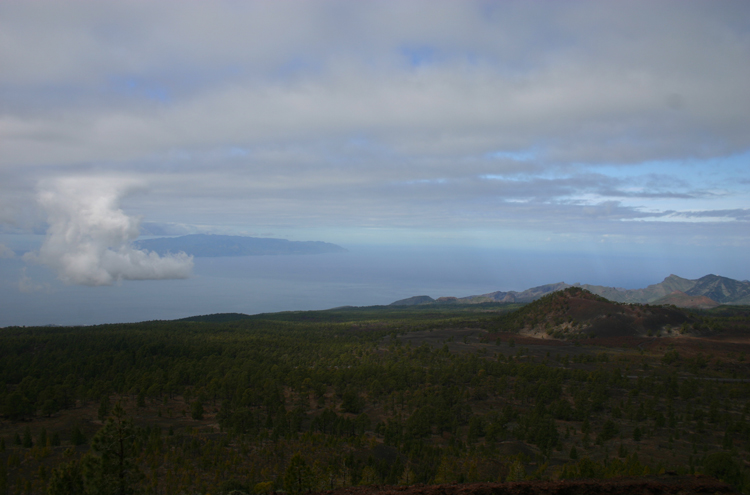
577,313
525,296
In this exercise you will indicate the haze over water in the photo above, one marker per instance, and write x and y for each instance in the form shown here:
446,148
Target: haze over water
365,276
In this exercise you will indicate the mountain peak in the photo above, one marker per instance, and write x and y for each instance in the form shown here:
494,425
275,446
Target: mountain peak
413,301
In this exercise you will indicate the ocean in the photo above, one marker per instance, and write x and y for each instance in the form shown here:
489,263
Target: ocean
364,276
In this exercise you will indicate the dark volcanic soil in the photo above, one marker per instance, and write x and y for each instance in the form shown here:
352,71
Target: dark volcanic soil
649,485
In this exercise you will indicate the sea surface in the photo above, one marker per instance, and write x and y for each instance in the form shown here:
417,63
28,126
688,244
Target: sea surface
364,276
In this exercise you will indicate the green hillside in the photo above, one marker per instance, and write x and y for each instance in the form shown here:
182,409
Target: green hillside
308,401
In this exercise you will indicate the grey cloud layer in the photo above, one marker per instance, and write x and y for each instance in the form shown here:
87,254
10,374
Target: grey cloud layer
585,80
372,113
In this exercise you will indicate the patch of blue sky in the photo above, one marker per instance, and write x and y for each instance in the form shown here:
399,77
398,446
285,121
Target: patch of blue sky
502,177
585,198
185,80
526,176
227,152
21,243
132,86
716,183
236,151
358,141
724,168
356,147
519,156
419,56
298,66
175,155
425,181
688,211
681,218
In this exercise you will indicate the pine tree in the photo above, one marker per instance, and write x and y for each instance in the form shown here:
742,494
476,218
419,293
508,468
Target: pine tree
104,407
516,471
637,434
446,472
408,476
298,477
67,479
111,466
3,479
622,451
77,437
369,476
196,410
27,442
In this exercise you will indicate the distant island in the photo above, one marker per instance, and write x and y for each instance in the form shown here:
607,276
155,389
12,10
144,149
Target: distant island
214,246
703,293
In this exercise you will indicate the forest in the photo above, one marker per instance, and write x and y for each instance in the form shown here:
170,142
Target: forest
302,402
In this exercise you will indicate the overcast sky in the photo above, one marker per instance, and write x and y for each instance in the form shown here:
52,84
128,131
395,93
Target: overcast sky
541,125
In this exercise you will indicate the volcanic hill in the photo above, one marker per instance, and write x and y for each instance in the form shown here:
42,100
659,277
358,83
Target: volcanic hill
575,313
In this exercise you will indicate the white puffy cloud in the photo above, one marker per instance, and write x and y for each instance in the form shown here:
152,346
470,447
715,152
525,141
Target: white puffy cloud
89,237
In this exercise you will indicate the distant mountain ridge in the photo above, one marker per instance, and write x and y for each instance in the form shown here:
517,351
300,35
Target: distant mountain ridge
213,246
723,290
707,291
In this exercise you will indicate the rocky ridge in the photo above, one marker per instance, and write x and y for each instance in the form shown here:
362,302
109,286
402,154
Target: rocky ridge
705,292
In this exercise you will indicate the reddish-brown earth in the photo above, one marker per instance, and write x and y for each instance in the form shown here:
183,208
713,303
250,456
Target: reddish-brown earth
726,343
648,485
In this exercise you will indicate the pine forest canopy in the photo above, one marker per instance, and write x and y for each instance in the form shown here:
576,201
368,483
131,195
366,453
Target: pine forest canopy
305,401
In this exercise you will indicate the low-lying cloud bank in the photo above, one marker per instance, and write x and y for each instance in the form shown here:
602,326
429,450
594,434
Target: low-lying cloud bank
89,239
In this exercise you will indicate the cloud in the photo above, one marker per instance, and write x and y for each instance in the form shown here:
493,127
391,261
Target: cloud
572,77
259,116
6,252
739,214
27,285
89,239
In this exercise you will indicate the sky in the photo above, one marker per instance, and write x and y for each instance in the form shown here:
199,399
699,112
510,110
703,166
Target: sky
589,128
